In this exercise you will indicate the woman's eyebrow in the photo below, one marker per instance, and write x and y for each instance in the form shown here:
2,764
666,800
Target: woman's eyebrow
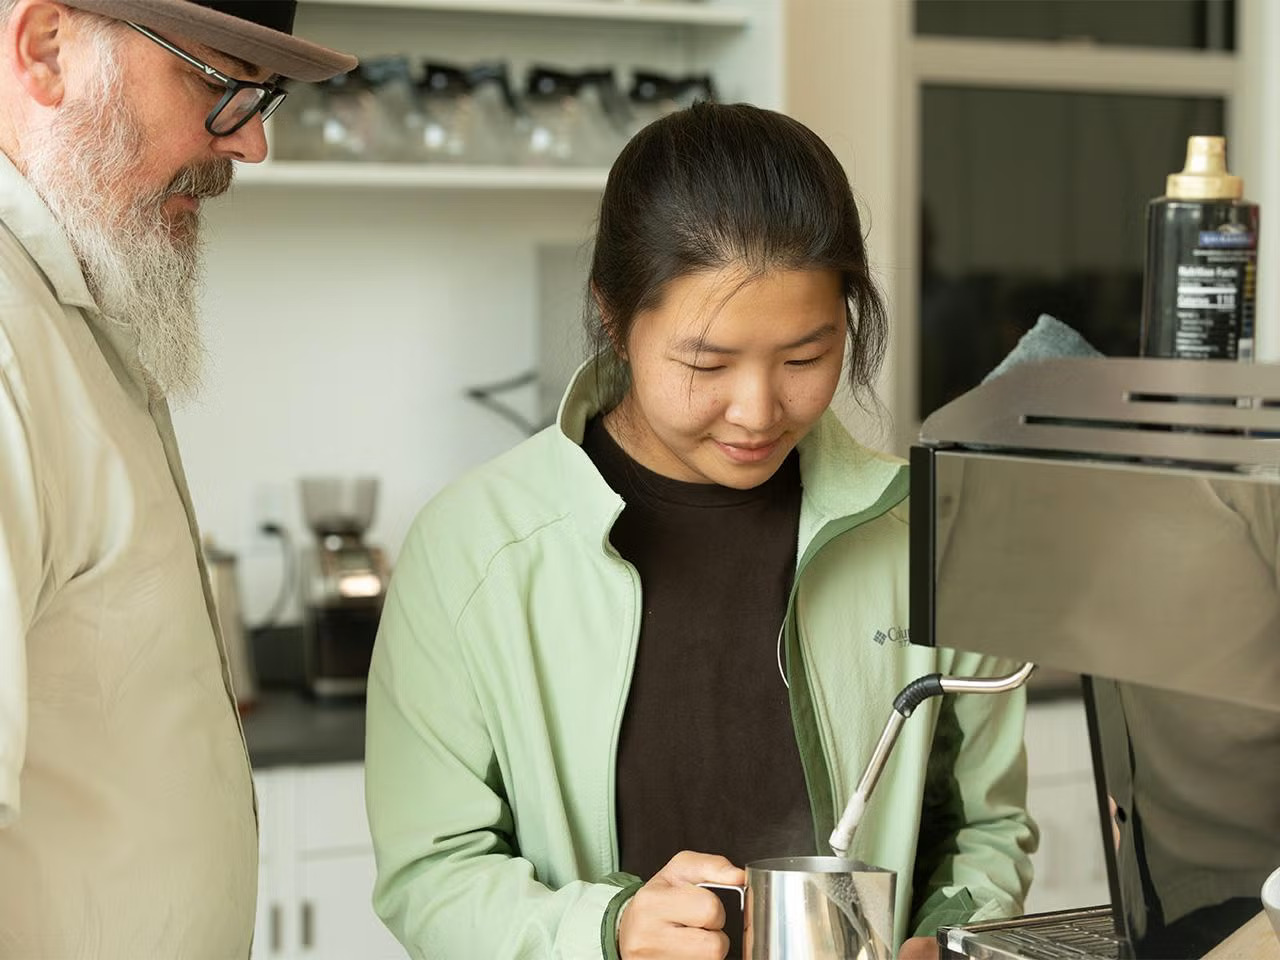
699,344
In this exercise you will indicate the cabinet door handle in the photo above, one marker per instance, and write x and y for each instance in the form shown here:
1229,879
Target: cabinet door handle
308,922
275,930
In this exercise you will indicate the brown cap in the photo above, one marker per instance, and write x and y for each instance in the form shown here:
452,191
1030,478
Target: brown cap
256,31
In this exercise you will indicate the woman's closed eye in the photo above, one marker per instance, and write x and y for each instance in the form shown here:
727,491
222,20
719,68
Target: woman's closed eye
712,368
807,362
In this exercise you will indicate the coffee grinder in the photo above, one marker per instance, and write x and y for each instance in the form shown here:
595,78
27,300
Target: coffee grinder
344,580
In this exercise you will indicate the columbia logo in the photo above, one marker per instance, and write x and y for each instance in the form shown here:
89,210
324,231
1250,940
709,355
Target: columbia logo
898,636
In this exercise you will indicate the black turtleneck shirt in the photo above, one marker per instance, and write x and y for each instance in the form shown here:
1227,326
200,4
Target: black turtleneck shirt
707,759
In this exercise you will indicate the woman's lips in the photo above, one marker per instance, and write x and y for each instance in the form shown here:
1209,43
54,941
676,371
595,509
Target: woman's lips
743,453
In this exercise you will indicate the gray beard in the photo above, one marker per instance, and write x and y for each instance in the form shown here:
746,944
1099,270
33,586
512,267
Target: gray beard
142,266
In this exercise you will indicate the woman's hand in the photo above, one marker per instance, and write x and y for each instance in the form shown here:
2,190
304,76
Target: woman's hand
672,918
919,948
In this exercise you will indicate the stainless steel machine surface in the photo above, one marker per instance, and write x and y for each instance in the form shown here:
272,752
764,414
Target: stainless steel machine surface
1121,519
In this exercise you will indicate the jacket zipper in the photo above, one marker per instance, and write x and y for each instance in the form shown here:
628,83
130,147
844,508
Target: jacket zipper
821,540
633,576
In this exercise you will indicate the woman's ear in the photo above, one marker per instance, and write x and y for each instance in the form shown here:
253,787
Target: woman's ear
35,41
610,327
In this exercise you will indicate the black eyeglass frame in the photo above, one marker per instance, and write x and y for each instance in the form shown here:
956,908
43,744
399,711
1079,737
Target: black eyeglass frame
273,93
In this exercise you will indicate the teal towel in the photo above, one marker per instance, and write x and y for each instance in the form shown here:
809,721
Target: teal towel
1047,340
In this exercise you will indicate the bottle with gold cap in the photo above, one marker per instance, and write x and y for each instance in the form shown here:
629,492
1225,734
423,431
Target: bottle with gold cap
1201,271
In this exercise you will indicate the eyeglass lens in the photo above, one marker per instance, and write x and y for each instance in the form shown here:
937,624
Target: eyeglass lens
244,103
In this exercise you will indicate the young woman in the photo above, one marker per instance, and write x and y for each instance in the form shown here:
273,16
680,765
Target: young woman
659,640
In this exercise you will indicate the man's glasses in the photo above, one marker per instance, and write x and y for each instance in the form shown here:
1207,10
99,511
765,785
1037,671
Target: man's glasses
239,104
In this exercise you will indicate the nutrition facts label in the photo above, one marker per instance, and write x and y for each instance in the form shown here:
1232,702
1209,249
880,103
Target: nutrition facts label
1198,299
1212,291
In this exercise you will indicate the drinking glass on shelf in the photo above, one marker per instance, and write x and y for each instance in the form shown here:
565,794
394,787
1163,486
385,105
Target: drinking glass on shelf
297,133
438,130
604,120
351,118
494,113
391,82
654,95
550,118
571,119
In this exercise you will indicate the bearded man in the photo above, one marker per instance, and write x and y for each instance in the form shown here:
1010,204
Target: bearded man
127,825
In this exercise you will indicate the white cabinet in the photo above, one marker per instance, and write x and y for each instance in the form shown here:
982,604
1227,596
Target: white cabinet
317,868
336,921
1070,867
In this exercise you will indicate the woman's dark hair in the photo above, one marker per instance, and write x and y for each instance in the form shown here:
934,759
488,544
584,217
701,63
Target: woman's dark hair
726,185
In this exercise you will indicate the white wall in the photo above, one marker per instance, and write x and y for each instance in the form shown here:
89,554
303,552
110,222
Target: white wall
845,79
343,327
1255,153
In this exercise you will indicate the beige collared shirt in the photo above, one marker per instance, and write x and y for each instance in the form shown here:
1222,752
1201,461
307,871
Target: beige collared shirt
127,825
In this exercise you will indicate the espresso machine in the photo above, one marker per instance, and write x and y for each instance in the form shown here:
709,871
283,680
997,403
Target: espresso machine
344,582
1120,519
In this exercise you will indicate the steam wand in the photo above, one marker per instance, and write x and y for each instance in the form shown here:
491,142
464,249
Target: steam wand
912,695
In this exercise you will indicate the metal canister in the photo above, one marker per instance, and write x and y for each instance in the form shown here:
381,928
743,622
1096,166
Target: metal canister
818,908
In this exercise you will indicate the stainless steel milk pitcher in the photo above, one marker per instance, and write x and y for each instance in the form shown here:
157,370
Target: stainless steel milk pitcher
816,908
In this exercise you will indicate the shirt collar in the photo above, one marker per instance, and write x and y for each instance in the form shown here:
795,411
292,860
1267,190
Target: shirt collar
25,214
841,478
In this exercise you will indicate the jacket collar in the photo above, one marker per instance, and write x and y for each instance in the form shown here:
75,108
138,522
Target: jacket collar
841,478
593,504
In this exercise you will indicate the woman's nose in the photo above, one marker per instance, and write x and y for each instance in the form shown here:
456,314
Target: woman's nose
755,405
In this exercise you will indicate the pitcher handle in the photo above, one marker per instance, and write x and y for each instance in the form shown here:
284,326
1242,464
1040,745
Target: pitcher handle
740,889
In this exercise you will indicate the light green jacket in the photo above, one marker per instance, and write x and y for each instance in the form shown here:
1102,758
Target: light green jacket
501,673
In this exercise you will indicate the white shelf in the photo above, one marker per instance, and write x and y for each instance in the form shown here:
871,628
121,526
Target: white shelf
1077,67
284,173
690,12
